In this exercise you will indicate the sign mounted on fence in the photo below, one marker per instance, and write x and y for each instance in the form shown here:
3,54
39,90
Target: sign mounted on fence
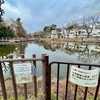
86,78
23,73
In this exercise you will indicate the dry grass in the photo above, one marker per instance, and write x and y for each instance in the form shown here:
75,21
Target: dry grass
62,40
62,87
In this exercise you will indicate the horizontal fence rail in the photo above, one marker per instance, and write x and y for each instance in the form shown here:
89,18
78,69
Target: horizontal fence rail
68,65
11,61
46,78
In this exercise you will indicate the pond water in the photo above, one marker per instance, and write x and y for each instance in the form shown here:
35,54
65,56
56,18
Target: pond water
68,51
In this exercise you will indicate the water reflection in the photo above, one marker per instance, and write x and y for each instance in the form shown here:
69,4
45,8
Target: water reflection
15,50
62,51
89,53
20,49
6,49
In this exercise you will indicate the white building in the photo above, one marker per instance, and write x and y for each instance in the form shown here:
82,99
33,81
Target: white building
54,34
96,30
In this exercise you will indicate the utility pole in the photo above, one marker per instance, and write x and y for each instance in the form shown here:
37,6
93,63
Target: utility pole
1,10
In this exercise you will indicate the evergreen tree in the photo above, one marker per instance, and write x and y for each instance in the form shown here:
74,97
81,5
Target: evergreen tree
6,31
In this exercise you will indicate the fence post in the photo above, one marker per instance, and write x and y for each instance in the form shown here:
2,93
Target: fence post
2,83
25,85
13,78
43,74
48,78
34,78
6,39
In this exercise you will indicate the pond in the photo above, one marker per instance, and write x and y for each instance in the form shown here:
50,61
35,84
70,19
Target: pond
68,51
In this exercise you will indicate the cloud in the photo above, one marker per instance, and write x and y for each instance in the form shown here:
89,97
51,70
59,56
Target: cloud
36,14
18,11
10,11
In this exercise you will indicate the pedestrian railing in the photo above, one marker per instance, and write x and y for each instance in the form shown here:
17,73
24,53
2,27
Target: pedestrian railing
68,65
46,78
11,61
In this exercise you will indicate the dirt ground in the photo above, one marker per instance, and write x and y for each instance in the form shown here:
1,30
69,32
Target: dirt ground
62,88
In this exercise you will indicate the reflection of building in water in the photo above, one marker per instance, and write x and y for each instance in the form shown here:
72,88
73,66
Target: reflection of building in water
82,47
77,46
53,45
56,45
71,45
91,48
89,54
97,48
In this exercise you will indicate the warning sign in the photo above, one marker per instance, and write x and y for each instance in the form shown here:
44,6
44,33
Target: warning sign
23,73
86,78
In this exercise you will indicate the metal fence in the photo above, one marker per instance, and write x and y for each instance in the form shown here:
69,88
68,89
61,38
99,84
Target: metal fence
46,78
11,60
66,93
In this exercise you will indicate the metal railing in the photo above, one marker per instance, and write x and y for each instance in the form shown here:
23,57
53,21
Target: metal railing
11,60
48,75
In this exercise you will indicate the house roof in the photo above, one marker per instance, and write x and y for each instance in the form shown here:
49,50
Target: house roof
97,27
81,27
58,29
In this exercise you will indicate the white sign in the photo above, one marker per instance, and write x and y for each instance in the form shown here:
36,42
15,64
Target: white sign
23,73
86,78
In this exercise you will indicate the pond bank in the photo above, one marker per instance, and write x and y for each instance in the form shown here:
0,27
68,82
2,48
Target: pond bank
62,40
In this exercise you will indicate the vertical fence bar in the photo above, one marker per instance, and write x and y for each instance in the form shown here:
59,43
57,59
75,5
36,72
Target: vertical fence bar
48,78
97,89
67,82
25,85
57,80
34,78
13,79
43,74
86,89
76,86
2,83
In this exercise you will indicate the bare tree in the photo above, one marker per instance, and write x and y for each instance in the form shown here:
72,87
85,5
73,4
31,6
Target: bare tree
69,27
73,25
90,21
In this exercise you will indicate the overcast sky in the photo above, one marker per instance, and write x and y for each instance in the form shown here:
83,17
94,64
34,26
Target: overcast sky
36,14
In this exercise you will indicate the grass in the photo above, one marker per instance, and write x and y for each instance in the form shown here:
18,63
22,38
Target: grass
40,96
88,98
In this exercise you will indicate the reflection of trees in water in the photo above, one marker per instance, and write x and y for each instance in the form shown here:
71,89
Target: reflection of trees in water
20,49
85,52
5,50
48,45
71,48
16,50
89,55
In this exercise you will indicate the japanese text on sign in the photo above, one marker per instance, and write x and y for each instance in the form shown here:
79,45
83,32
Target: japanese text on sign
23,73
87,78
